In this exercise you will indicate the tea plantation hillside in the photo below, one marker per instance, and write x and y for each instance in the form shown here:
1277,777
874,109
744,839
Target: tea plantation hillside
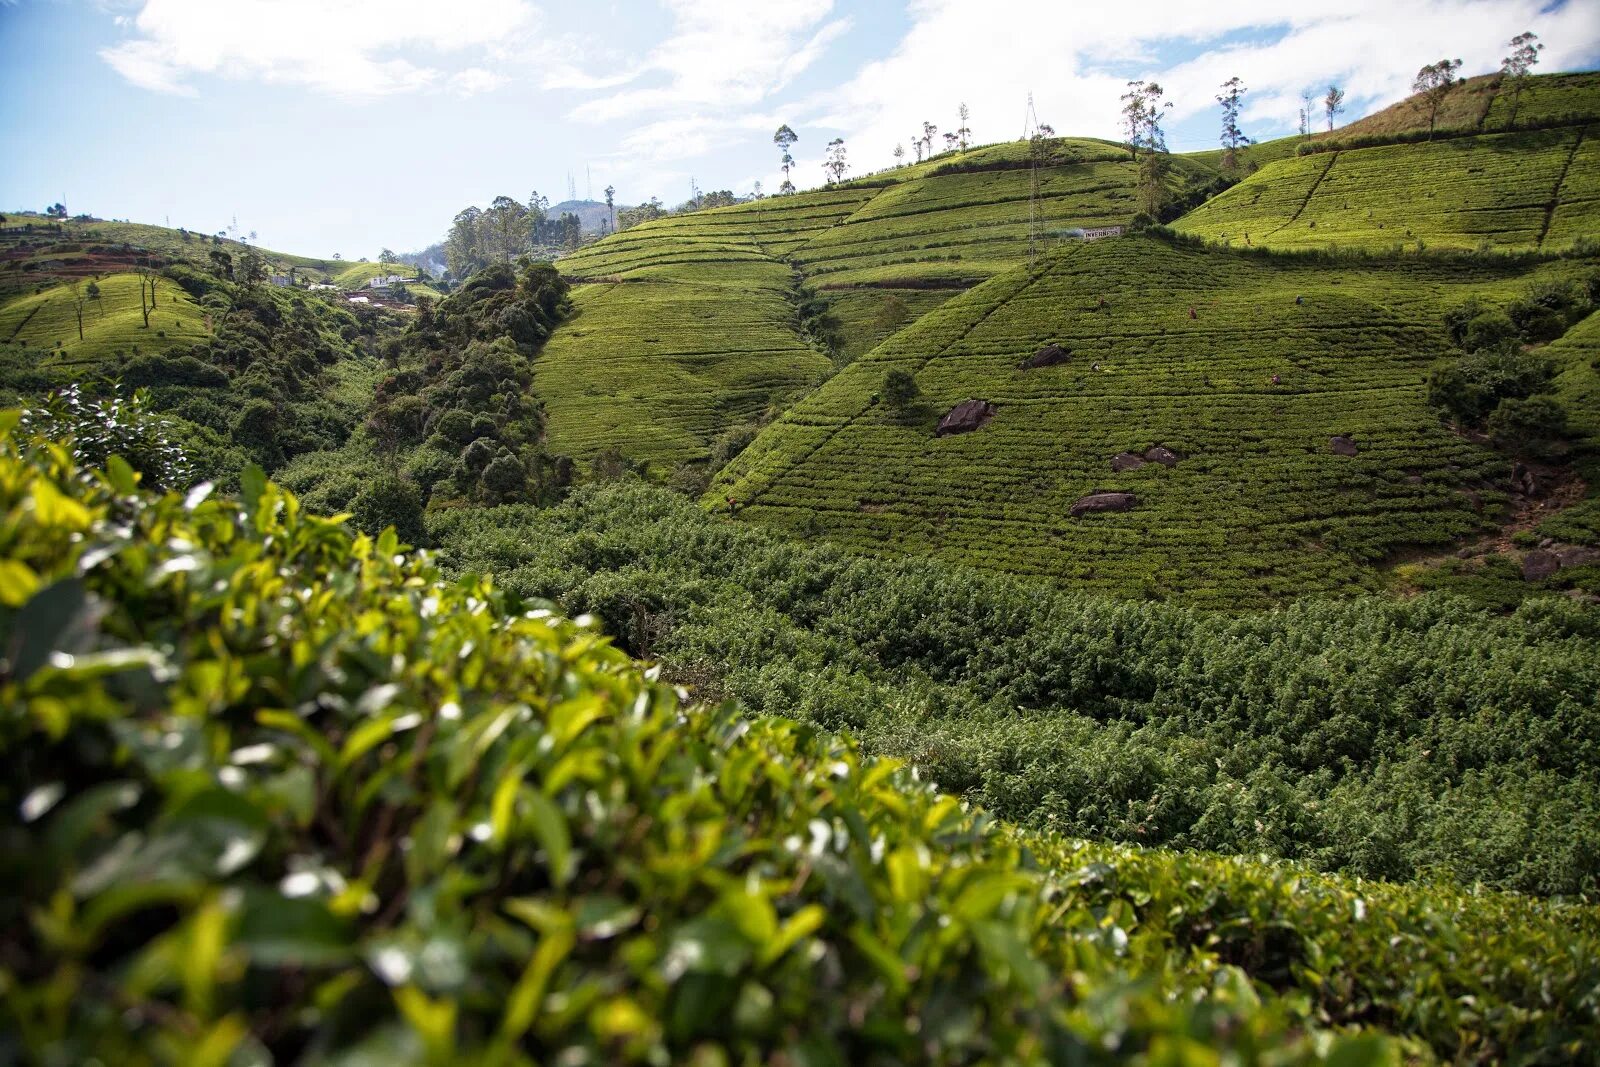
693,324
1285,395
33,244
1534,190
112,320
1484,104
279,793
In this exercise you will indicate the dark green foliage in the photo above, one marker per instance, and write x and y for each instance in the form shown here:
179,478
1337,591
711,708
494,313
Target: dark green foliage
1530,426
396,819
257,430
456,412
389,501
899,388
159,369
1487,329
1375,737
1471,387
96,430
1546,311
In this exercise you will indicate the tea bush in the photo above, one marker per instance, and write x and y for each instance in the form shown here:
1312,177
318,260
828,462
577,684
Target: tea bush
281,793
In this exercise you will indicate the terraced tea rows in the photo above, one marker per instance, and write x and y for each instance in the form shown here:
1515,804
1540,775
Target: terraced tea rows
112,322
692,332
1534,190
1245,369
656,368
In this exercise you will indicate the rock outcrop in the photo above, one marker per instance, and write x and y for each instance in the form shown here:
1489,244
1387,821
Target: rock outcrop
1048,356
965,417
1104,501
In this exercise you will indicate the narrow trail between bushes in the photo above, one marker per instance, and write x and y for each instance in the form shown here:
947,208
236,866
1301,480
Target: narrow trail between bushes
1555,195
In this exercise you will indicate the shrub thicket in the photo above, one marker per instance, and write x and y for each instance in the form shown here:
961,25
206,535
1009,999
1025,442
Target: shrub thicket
1430,738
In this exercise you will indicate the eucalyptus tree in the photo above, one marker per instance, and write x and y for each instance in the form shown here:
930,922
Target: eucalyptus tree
785,139
1515,68
1233,138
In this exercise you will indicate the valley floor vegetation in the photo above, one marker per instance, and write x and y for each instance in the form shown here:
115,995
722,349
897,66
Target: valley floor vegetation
1425,739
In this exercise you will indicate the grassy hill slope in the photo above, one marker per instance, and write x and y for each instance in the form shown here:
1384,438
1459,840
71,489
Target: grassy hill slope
691,336
1248,389
656,368
29,242
1478,105
1523,191
112,322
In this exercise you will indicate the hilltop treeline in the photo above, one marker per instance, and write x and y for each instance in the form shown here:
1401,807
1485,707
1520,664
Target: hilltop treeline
1388,739
506,230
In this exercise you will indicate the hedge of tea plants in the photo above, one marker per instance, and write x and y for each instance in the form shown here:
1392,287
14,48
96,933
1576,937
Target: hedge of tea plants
280,793
1531,190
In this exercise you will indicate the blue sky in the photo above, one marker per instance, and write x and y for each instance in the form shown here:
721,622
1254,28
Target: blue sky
349,125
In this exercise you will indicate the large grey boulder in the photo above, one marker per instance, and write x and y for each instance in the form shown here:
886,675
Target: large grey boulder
1104,501
1162,455
965,417
1048,356
1539,565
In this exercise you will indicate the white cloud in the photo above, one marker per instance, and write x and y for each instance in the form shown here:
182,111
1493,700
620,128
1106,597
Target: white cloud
722,54
342,47
1075,59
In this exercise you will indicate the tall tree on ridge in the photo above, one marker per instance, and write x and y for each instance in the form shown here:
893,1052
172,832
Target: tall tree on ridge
785,139
1434,82
611,206
835,165
507,223
1233,137
1141,117
1514,69
463,245
1305,112
899,155
928,132
964,134
1333,104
